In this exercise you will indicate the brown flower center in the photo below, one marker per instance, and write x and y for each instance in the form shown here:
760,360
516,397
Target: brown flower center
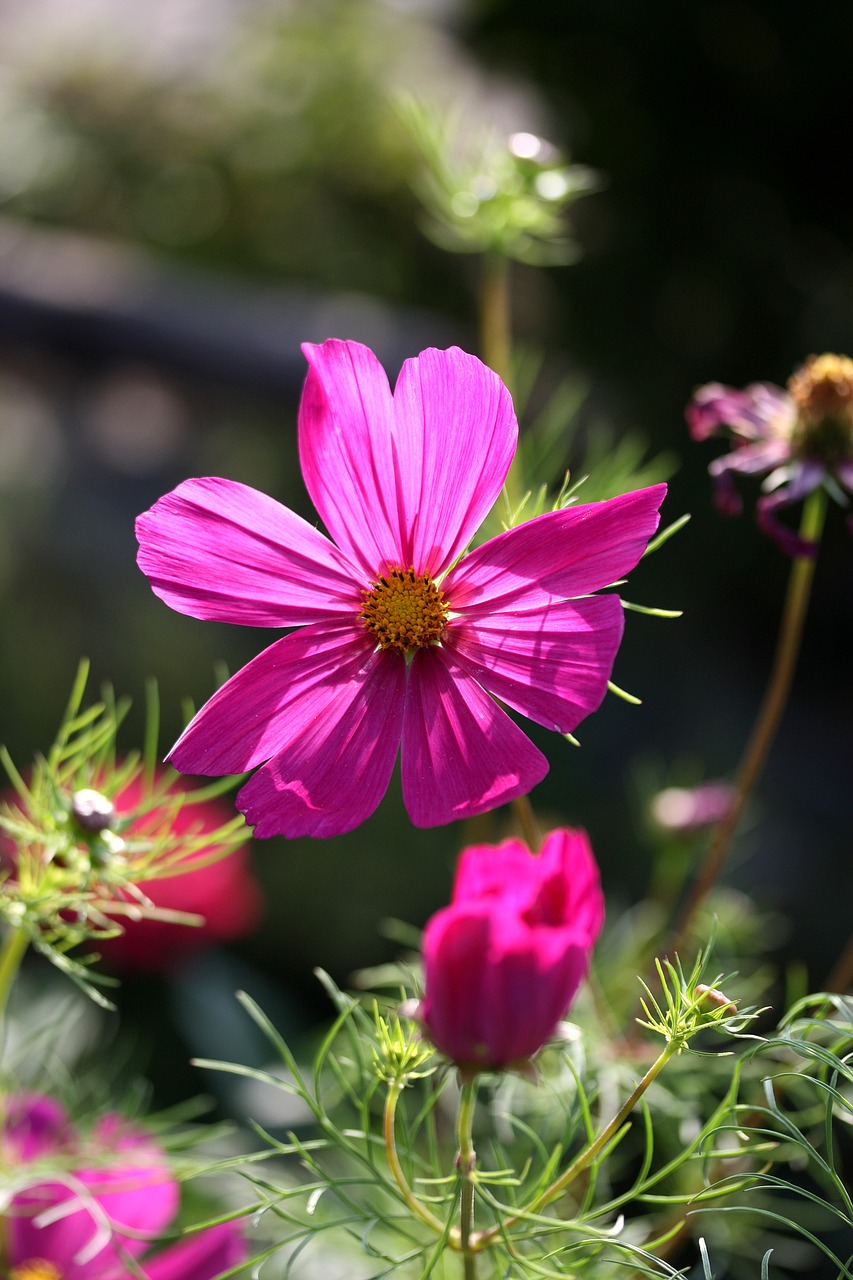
404,610
822,390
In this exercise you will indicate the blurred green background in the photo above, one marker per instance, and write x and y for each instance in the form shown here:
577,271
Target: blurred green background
189,189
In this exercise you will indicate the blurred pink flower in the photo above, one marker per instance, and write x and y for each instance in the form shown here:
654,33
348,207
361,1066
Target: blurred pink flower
800,438
224,891
504,960
104,1200
399,640
685,810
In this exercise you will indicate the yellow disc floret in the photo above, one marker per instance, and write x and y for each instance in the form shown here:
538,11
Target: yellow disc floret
35,1269
822,390
404,610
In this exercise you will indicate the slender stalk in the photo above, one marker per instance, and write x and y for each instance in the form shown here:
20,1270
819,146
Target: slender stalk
769,715
12,952
496,347
483,1239
420,1211
527,823
467,1163
495,326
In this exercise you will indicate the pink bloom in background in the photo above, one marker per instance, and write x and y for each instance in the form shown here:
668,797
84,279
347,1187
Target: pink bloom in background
503,962
399,640
224,892
798,438
106,1200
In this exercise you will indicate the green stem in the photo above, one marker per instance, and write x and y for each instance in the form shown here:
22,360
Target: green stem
483,1239
496,346
420,1211
769,714
11,954
527,822
467,1163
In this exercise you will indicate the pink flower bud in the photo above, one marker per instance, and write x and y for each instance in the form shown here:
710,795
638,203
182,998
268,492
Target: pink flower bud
505,959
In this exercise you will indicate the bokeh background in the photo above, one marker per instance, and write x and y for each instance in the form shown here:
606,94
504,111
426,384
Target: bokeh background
190,188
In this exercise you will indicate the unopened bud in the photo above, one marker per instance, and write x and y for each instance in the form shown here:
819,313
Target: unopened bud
717,999
92,811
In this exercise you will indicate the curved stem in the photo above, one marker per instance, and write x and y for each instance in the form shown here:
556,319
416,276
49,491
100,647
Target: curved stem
11,954
769,714
483,1239
467,1163
419,1211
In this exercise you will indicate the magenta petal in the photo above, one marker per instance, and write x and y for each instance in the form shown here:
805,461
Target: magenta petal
79,1226
285,692
334,765
347,451
457,434
202,1257
552,664
216,549
556,556
461,753
33,1126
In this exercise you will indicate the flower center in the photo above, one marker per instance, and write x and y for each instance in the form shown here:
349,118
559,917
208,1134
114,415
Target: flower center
823,393
404,610
35,1269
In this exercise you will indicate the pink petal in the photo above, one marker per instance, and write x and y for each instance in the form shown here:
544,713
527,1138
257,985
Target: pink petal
285,692
750,458
202,1257
461,753
555,557
551,664
140,1198
336,762
567,858
457,434
217,549
347,451
33,1126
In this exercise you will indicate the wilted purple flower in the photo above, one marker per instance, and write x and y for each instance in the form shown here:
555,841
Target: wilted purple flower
402,638
798,438
503,962
93,1205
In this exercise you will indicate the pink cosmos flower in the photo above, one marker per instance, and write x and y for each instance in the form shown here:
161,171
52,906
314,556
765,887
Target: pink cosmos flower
800,438
503,962
402,638
224,892
87,1218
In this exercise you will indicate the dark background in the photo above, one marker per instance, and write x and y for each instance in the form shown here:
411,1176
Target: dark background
181,208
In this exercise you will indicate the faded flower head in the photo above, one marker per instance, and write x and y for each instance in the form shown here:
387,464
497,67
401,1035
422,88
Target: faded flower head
799,438
88,1206
503,962
402,638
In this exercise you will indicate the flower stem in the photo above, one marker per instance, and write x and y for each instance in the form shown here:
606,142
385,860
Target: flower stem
769,714
496,348
467,1163
527,823
495,326
419,1211
12,952
483,1239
